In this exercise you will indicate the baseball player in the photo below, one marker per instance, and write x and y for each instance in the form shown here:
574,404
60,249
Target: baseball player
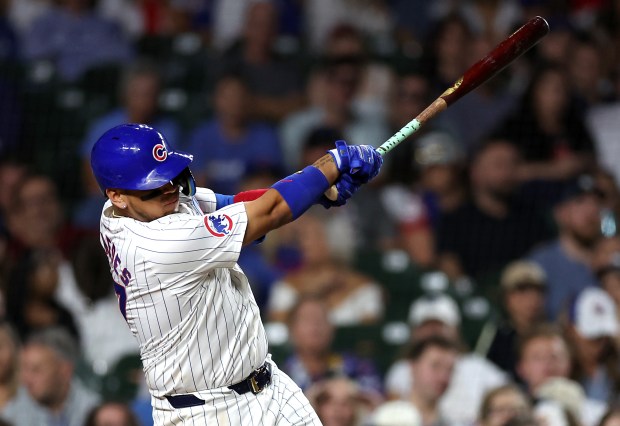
173,250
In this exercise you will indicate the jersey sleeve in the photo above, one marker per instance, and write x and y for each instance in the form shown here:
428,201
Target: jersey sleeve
183,245
206,200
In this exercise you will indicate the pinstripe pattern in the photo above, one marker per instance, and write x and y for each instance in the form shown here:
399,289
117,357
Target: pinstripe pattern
281,403
191,309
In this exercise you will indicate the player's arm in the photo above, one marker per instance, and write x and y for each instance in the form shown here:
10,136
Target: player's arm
290,197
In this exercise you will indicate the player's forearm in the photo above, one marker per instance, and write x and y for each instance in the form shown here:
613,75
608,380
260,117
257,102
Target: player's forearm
265,214
289,198
327,166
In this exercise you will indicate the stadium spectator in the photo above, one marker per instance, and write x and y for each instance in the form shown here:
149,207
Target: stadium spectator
47,371
139,91
396,413
493,19
75,39
586,73
323,16
11,173
606,265
22,14
523,287
544,355
432,363
311,335
40,249
593,326
472,239
567,259
13,396
443,180
547,130
475,117
275,84
111,414
445,53
410,95
473,376
352,297
502,404
229,145
9,47
332,88
31,289
338,402
346,41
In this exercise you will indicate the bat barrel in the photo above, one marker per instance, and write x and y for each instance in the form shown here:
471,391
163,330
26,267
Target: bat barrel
503,54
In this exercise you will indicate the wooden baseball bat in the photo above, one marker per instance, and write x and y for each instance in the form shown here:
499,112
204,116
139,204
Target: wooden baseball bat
482,71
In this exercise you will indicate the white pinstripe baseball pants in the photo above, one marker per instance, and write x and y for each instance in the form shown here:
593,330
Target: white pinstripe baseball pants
282,403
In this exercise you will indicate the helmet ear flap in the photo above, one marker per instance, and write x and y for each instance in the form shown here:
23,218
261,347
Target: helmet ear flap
186,181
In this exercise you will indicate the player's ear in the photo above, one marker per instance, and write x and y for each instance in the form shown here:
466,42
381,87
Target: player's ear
116,197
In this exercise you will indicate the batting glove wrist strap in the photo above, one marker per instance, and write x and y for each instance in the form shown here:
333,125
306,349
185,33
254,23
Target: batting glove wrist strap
302,189
341,155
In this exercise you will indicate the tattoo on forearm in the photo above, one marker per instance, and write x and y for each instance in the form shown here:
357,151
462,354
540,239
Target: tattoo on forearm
324,160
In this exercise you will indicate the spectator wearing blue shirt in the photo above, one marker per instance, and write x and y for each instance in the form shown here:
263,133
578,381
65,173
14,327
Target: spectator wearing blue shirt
228,145
139,93
567,259
75,39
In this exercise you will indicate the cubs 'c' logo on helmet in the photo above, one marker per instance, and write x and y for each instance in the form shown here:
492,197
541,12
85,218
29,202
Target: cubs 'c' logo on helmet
159,152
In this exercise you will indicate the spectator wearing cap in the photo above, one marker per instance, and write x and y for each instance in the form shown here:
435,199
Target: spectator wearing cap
497,224
441,162
48,363
606,265
473,376
592,326
566,260
396,413
523,285
543,356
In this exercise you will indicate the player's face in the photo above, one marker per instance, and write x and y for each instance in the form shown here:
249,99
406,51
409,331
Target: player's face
142,206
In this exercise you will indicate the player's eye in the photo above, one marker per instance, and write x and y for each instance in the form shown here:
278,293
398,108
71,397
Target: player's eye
151,194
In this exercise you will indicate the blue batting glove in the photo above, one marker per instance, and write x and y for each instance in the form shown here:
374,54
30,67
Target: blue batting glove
346,187
362,162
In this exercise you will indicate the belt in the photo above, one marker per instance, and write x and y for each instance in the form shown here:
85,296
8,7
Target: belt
258,380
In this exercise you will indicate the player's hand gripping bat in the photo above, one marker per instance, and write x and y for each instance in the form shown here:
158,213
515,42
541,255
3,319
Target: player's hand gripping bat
503,54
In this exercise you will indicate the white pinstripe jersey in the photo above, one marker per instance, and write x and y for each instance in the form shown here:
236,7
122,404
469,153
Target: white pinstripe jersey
184,297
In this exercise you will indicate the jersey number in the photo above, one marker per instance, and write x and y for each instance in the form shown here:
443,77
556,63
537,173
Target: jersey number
121,295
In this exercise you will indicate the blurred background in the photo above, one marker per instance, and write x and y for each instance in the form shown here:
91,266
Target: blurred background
476,280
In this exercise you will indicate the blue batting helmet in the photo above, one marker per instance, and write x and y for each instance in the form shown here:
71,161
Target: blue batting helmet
136,157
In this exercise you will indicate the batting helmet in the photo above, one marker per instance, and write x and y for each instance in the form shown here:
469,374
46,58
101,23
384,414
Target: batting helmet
138,157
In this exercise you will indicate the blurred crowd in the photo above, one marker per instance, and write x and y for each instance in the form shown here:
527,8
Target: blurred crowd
476,281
